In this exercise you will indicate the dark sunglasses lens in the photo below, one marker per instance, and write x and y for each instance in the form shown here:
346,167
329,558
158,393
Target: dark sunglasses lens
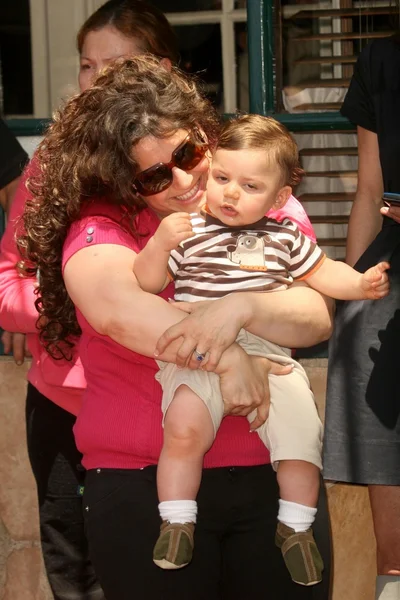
154,181
189,155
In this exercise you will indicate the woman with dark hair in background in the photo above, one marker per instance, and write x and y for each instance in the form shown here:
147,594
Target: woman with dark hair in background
362,425
118,28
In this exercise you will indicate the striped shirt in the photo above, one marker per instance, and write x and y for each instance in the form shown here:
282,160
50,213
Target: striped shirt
218,259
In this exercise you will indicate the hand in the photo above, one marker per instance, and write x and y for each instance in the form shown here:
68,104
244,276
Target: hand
375,281
173,230
245,386
17,344
210,328
391,211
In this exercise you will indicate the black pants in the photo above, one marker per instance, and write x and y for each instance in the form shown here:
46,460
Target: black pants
235,557
56,465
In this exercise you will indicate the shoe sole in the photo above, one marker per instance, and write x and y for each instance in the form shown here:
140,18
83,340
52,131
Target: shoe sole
307,584
166,564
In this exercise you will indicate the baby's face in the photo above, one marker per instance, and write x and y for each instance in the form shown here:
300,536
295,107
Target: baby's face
242,187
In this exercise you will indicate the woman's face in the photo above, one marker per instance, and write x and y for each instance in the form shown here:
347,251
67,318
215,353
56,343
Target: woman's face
99,49
187,191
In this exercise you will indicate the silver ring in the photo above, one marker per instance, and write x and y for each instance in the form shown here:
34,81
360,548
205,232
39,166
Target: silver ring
198,355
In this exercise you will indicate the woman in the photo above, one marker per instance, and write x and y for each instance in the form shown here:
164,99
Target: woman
141,125
362,439
118,28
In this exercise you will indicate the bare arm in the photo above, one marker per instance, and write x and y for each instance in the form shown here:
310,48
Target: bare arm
151,267
101,283
365,218
151,264
342,282
297,317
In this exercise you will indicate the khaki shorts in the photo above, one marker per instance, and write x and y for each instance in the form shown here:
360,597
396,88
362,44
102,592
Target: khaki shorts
293,430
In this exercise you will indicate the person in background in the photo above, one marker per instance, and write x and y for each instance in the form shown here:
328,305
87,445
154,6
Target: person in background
362,425
13,159
118,28
139,117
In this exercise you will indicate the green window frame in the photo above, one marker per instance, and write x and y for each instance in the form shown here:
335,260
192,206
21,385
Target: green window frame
261,44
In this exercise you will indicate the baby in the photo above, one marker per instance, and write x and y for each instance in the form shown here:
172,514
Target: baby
234,247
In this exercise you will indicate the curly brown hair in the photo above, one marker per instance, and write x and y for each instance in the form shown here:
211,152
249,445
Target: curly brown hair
86,154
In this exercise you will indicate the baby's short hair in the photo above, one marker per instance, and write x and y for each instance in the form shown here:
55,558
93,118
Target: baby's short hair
254,132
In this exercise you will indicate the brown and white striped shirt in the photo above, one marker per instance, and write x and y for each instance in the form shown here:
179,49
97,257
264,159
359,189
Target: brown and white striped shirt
218,259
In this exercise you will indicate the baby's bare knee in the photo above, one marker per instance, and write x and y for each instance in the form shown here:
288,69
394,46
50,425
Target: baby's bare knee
184,439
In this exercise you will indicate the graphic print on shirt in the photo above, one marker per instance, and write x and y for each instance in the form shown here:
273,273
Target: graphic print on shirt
249,251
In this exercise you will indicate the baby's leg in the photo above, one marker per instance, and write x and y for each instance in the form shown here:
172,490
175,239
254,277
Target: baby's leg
188,434
294,434
298,482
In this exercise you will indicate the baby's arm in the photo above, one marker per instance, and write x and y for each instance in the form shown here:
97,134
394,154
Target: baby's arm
151,264
340,281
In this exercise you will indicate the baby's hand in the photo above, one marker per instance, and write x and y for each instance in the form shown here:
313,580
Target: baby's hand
375,281
173,230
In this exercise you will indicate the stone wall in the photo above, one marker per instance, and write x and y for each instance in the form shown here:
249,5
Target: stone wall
21,569
352,533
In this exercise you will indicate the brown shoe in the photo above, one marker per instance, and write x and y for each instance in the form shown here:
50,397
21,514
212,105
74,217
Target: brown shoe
174,547
300,553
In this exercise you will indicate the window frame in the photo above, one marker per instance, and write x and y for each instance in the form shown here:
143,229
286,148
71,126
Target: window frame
261,44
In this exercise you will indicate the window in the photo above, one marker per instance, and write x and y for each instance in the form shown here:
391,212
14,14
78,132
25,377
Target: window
40,64
211,41
319,45
16,95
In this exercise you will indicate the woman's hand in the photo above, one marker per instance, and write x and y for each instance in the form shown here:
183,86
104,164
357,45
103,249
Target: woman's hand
16,343
210,328
393,212
244,383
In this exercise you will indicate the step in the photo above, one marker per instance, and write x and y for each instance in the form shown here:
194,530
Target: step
326,60
326,197
329,152
342,12
324,83
341,174
332,241
318,106
350,35
329,219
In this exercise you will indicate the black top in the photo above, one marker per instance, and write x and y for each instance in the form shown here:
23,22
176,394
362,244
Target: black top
13,157
373,102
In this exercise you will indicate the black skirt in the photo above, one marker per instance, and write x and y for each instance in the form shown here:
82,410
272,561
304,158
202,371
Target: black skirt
362,426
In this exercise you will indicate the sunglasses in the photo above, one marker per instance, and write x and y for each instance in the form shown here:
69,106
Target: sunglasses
159,177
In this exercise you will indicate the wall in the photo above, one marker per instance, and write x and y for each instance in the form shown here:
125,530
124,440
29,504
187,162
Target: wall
21,570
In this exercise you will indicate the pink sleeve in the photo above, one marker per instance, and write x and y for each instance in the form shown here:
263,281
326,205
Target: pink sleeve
96,229
17,309
294,211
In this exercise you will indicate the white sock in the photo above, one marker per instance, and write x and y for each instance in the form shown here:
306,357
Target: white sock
178,511
387,587
297,516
